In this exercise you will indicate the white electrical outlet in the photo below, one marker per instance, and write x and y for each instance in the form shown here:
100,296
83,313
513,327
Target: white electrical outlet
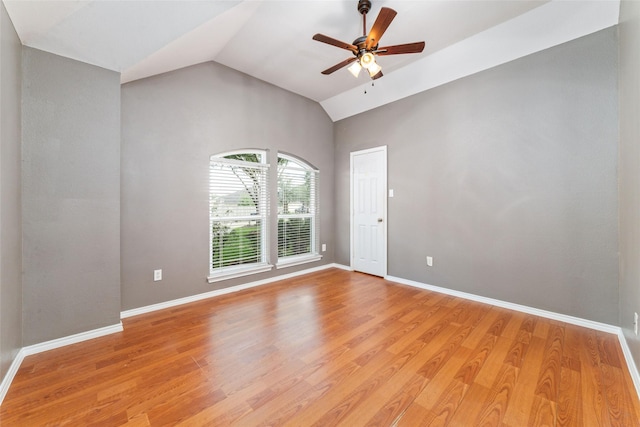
157,275
430,261
635,323
324,247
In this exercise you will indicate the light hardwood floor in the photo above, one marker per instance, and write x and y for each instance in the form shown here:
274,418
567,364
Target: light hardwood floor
330,348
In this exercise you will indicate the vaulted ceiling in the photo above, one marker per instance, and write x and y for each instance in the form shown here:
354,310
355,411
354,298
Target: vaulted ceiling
271,39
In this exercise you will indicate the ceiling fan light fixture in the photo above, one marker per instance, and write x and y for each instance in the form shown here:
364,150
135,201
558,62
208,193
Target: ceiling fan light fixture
355,69
374,69
367,60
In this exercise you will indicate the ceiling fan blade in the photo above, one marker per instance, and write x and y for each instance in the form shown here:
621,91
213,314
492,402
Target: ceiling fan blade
338,66
377,76
400,49
333,42
383,21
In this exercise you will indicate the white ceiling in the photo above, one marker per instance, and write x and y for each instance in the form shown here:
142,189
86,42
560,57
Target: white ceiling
271,39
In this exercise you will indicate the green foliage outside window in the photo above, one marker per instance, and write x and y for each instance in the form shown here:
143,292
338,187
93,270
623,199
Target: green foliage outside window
235,246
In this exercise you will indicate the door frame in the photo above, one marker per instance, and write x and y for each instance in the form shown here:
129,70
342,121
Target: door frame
382,149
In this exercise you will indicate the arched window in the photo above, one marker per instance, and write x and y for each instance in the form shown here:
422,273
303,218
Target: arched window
238,214
297,211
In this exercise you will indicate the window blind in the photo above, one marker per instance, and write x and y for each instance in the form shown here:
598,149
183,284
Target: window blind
238,200
297,209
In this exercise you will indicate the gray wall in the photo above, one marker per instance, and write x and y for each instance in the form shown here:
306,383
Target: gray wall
171,124
629,173
71,196
10,204
507,178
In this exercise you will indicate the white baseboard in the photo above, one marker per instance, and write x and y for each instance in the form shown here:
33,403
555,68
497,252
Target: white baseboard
72,339
218,292
50,345
11,373
631,364
633,370
511,306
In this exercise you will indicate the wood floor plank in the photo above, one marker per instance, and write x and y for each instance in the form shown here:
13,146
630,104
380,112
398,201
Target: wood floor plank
593,389
619,410
139,421
413,417
497,400
480,331
431,320
543,412
404,387
447,404
549,379
489,371
443,378
503,388
518,411
448,398
394,407
570,412
171,412
354,399
224,413
330,348
513,326
275,405
468,372
470,407
312,413
297,404
633,403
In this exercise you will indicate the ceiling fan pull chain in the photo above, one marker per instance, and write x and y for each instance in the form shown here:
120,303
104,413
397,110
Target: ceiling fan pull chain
365,89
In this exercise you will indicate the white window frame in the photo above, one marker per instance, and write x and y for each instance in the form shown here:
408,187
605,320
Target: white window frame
230,272
313,214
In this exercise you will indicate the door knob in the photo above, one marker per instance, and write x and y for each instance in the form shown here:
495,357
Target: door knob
379,219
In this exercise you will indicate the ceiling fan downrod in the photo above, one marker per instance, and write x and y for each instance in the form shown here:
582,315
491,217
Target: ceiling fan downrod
364,6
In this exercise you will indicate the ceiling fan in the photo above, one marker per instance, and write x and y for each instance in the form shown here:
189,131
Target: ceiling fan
366,48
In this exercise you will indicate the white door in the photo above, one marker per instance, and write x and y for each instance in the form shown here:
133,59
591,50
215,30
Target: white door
369,211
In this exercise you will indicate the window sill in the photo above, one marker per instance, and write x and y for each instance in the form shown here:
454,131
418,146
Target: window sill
297,260
234,272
